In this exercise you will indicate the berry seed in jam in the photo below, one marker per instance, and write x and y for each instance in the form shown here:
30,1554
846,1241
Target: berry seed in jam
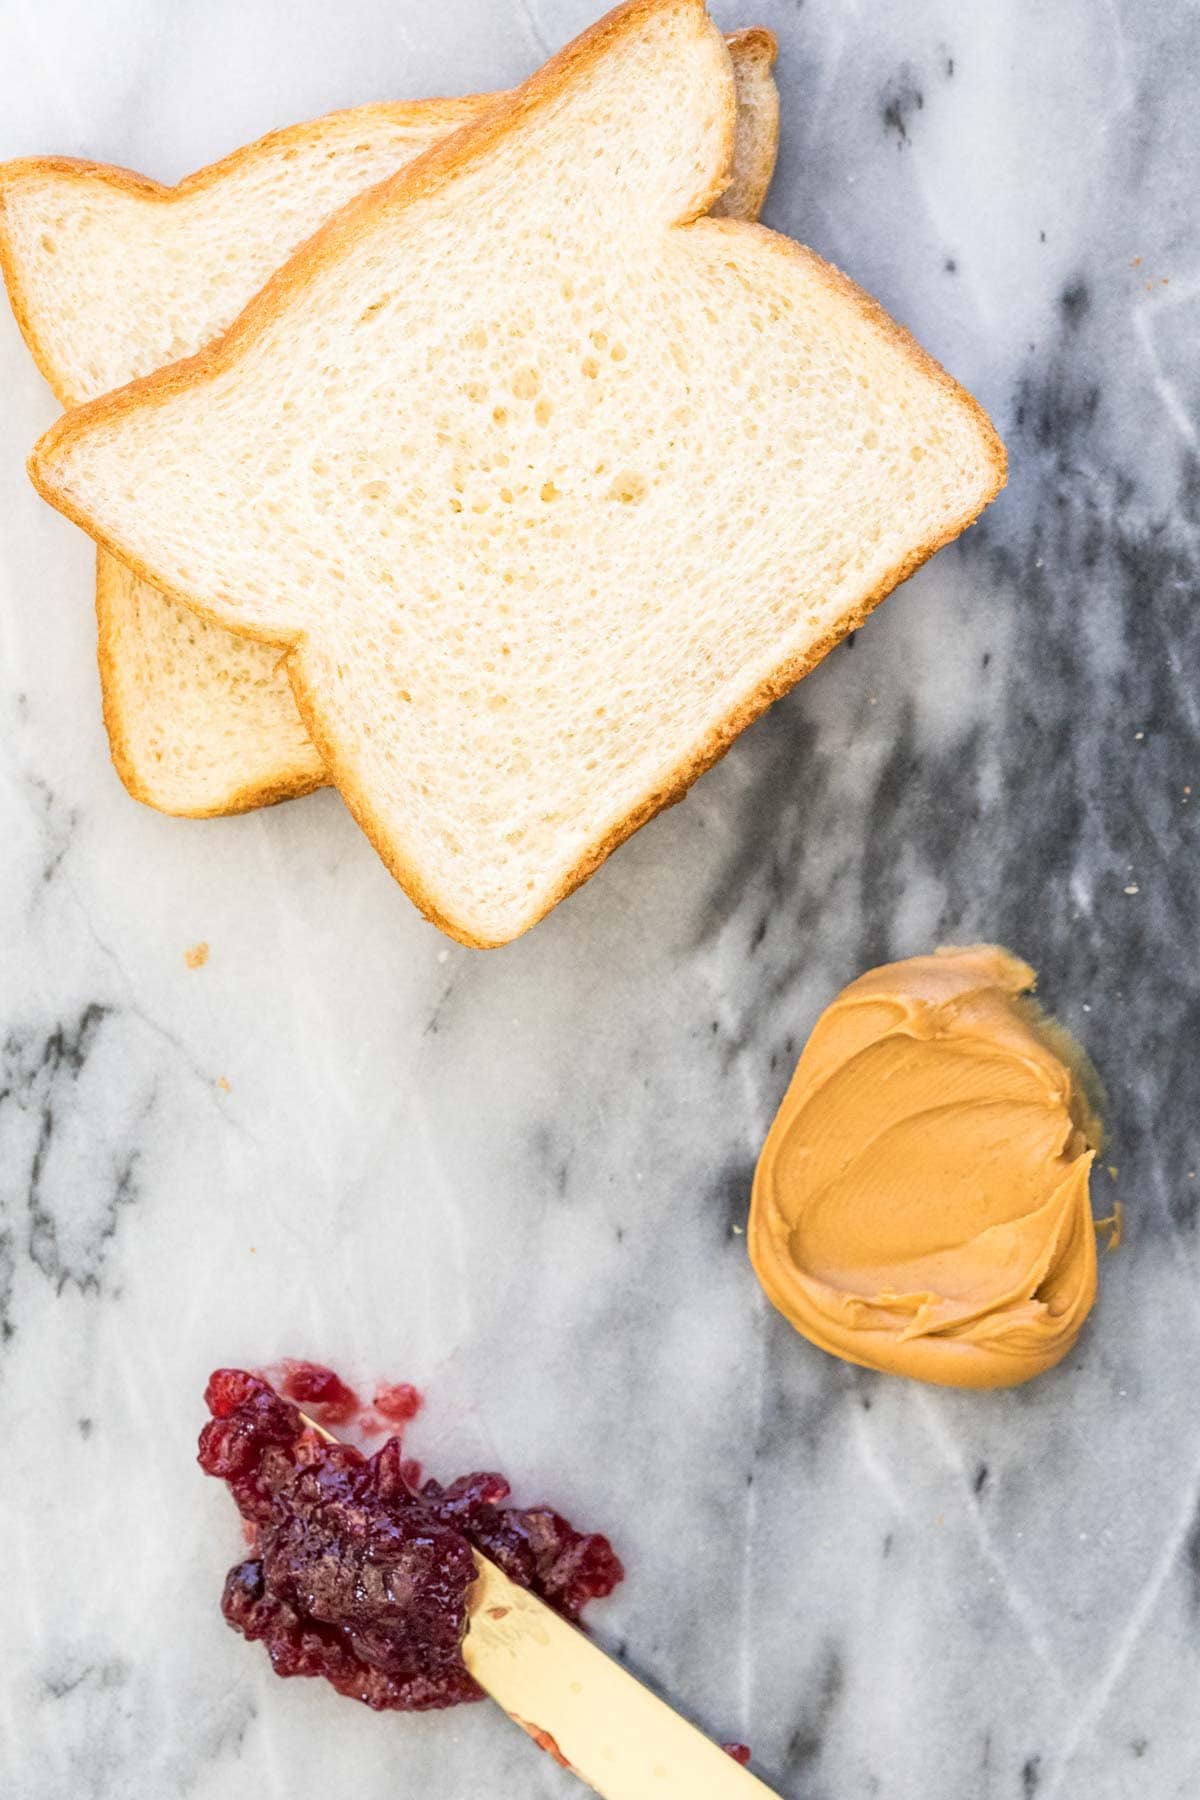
357,1574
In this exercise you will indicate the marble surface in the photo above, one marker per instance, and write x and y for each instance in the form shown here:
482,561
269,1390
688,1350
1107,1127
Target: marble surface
520,1179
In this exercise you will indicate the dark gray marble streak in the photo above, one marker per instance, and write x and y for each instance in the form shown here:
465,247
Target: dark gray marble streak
61,1199
1060,820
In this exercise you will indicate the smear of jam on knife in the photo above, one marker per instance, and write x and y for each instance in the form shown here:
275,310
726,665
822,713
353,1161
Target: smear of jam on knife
739,1752
356,1572
545,1742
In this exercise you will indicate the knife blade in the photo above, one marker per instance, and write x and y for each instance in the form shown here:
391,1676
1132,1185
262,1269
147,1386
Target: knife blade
588,1711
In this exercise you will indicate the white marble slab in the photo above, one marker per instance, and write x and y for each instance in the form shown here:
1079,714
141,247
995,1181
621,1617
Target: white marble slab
519,1179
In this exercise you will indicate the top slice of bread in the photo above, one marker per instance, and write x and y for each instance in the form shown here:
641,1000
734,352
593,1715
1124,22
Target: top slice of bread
112,275
550,483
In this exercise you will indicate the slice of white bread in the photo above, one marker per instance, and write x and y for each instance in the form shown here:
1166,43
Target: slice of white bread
550,483
112,275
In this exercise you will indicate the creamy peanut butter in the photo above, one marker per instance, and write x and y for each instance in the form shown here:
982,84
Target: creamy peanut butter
921,1204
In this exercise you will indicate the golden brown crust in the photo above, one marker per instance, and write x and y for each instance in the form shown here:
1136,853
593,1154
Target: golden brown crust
754,168
17,300
423,176
755,40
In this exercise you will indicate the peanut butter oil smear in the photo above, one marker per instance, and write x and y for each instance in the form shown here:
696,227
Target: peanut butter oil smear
921,1203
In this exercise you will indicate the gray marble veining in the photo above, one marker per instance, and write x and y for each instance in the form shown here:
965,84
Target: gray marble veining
520,1179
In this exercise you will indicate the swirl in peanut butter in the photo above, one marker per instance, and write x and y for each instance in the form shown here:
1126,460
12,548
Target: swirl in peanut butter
921,1204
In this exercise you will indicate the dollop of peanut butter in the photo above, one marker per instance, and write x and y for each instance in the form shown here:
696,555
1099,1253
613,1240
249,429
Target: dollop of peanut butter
921,1203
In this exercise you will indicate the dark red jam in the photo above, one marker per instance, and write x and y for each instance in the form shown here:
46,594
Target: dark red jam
358,1574
545,1742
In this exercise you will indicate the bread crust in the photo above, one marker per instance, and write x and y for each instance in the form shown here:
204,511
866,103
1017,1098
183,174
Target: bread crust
747,193
423,176
754,46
